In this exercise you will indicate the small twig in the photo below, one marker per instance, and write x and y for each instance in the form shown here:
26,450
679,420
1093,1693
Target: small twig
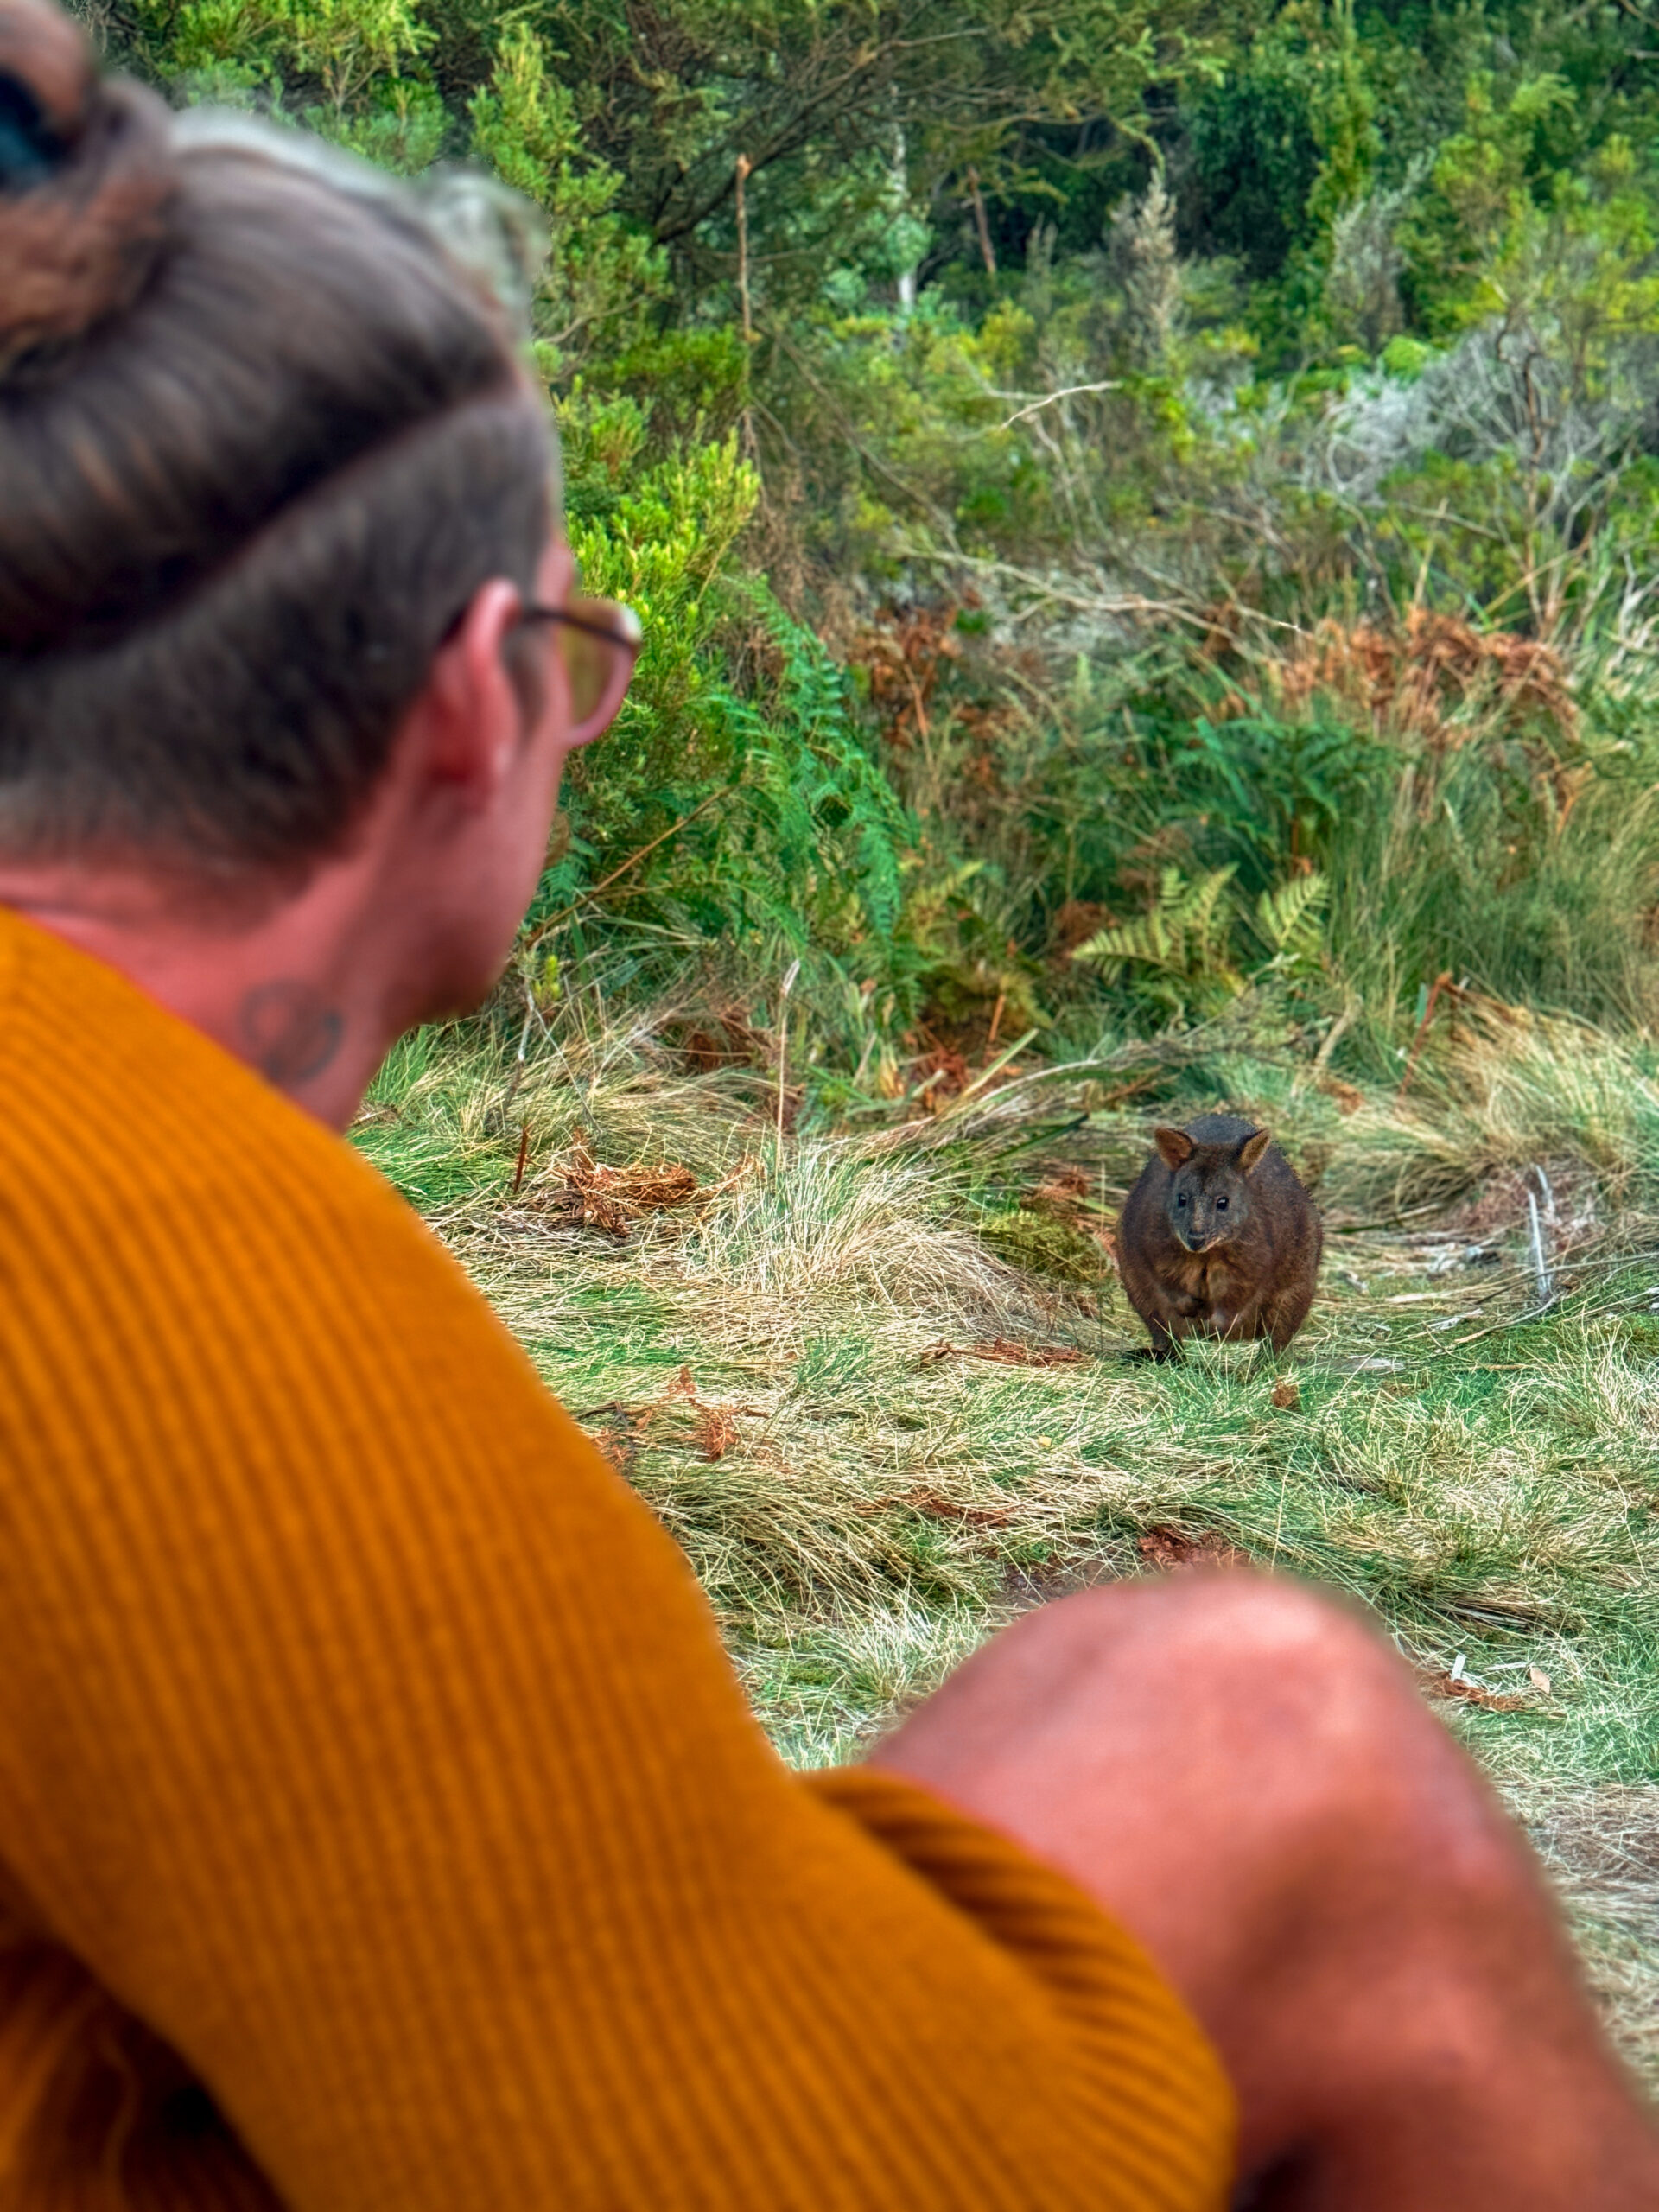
1134,604
988,251
1442,983
1332,1038
605,882
1510,1321
785,989
524,1155
744,168
519,1062
1071,391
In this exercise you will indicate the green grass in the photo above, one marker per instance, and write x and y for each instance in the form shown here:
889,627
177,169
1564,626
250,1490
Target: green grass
863,1506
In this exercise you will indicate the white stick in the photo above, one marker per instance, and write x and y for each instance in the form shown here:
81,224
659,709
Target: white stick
1071,391
1540,1268
1547,1195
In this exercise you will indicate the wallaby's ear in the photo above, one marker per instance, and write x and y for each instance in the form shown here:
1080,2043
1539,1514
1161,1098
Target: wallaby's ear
1250,1151
1174,1146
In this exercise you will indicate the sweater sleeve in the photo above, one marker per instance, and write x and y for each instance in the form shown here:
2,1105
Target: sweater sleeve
380,1822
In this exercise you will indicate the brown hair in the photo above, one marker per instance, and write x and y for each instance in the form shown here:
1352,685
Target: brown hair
260,441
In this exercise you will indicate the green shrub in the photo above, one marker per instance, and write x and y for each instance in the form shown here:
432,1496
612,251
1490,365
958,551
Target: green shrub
1170,353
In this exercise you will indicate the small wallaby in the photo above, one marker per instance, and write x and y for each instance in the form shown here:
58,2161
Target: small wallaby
1218,1238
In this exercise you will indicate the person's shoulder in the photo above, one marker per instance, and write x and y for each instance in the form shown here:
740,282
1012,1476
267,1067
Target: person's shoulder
132,1148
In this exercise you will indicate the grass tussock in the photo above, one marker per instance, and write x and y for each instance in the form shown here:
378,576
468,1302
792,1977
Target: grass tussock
1511,1091
877,1430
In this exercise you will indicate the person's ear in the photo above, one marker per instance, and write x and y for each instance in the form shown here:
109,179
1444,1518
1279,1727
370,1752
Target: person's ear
1174,1146
474,700
1250,1151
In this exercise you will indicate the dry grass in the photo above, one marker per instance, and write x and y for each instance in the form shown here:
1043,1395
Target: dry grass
1510,1091
781,1360
1601,1846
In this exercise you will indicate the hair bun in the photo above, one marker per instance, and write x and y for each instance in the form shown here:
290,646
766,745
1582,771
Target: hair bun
87,174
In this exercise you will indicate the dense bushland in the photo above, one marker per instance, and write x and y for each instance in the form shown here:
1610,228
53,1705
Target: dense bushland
1133,507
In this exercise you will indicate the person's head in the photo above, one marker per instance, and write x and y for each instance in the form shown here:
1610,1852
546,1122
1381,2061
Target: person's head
274,489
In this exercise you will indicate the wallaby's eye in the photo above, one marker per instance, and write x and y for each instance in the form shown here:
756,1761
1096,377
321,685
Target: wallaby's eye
1181,1197
1220,1205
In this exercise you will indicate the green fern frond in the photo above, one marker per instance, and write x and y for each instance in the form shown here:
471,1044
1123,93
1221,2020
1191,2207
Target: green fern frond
1183,936
1288,917
1201,920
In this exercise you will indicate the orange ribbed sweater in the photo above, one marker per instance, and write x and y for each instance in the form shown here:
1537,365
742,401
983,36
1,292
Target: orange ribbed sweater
382,1828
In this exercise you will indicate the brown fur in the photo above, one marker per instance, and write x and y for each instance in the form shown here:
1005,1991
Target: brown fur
1222,1185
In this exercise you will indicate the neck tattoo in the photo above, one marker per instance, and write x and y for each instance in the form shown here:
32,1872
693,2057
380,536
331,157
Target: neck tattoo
289,1031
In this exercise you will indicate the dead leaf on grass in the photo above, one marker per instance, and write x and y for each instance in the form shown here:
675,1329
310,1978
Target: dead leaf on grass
716,1431
1065,1193
943,1074
1287,1394
1068,1181
1168,1549
611,1199
1439,1682
620,1433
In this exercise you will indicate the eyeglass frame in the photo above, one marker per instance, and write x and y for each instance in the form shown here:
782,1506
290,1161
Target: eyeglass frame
533,611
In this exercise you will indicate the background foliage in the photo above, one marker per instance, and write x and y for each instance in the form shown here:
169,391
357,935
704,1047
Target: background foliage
1134,507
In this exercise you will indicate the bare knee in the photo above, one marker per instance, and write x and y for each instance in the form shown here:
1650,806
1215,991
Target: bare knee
1237,1667
1230,1735
1241,1773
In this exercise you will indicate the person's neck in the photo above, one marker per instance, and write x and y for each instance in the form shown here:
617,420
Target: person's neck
293,989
